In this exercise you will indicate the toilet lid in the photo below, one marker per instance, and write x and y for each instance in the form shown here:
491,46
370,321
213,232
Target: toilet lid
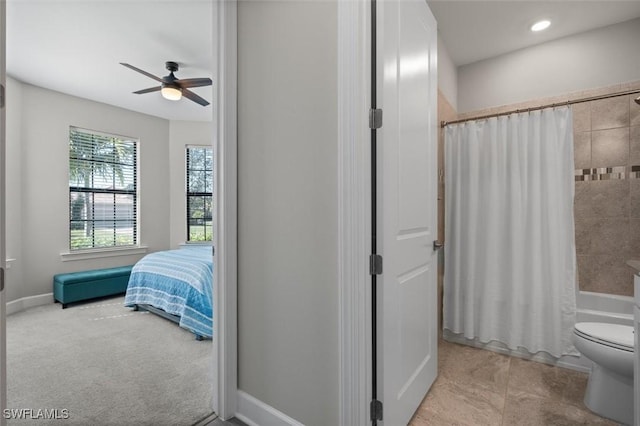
617,334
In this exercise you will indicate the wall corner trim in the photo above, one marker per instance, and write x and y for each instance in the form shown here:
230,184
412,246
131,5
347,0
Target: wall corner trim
225,293
354,153
254,412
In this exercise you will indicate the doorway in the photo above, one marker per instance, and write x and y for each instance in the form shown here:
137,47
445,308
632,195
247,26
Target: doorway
223,130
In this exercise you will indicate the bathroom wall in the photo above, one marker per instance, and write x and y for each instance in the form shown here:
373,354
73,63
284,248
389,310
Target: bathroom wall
607,193
447,106
446,112
598,58
607,201
592,63
447,75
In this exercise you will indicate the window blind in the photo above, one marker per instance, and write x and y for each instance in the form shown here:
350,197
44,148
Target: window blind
102,190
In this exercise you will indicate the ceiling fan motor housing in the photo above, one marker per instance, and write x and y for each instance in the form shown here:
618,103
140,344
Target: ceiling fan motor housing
171,66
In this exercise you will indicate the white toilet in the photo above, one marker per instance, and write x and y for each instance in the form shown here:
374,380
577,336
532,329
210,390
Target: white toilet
610,387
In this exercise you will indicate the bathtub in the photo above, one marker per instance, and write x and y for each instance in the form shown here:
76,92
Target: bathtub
609,308
591,307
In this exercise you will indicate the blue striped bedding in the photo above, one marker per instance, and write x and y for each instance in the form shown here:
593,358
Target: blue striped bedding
178,282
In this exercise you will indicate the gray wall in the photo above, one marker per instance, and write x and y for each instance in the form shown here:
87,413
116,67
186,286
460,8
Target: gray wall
598,58
287,207
13,189
37,176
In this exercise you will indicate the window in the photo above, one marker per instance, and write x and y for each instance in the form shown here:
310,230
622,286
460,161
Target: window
102,190
199,193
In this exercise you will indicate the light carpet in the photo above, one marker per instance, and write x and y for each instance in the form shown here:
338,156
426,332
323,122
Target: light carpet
107,365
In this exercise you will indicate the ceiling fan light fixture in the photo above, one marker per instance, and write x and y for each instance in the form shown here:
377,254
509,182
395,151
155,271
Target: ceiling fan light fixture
540,25
170,92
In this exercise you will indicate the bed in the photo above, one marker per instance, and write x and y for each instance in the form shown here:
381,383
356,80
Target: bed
175,284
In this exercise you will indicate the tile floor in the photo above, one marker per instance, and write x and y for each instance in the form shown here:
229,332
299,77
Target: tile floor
479,387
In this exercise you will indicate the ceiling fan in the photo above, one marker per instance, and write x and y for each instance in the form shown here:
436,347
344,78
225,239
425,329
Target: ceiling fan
173,88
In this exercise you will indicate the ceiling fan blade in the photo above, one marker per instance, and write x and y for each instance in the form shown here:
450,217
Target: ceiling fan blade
194,82
142,72
195,98
149,90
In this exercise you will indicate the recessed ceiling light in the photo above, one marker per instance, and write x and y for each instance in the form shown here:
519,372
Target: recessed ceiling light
540,25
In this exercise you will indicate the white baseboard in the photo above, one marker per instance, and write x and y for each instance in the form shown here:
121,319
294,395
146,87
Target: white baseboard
254,412
29,302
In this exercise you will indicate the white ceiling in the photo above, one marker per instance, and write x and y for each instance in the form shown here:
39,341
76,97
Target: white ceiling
75,47
476,30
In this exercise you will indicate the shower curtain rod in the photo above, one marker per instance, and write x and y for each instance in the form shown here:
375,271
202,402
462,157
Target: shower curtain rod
515,111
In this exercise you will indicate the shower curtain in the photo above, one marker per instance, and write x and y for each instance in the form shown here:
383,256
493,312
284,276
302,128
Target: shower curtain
510,264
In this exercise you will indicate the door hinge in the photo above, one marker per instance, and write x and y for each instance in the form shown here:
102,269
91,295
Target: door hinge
1,95
1,279
375,264
376,410
375,118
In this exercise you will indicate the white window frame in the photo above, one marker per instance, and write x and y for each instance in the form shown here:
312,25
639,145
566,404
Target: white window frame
108,251
188,240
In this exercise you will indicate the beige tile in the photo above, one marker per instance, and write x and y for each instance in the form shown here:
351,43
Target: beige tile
610,113
585,272
634,232
610,198
584,228
581,117
526,409
634,111
471,366
537,394
582,200
609,235
634,196
634,142
546,381
610,148
582,150
610,274
452,403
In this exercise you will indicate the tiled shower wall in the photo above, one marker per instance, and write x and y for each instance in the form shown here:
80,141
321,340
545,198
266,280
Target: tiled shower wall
607,193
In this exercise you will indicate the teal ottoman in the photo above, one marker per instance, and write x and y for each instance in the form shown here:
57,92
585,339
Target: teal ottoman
85,285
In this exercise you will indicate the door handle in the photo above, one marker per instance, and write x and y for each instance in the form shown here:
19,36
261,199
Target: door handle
437,245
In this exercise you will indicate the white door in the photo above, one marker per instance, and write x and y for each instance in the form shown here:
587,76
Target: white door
407,83
3,329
